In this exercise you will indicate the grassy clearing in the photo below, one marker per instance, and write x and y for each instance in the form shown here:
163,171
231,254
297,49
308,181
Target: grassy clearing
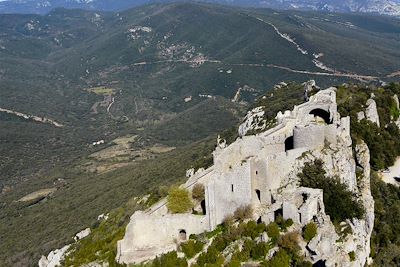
101,90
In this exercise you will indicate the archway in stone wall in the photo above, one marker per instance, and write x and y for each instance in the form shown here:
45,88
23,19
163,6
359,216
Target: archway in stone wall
289,143
323,114
182,235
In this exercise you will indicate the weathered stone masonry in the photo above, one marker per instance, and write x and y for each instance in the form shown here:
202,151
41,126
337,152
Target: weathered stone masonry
261,170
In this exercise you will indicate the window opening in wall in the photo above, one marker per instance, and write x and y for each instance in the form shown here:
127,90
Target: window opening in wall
232,187
299,217
203,206
258,193
305,197
182,234
256,172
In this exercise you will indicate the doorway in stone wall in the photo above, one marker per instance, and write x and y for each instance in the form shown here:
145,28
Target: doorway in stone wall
289,143
278,213
182,235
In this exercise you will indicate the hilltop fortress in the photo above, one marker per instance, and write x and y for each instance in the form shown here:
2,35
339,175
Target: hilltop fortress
261,170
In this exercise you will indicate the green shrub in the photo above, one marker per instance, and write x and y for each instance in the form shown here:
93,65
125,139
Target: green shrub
253,230
198,192
352,256
211,256
101,243
382,142
239,256
280,259
193,237
282,223
220,242
169,260
339,201
233,263
191,248
273,232
309,231
259,250
178,200
385,241
253,249
286,224
220,228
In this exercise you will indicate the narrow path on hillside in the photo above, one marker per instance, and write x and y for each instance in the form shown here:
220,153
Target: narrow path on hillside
32,117
317,63
326,71
359,77
176,61
336,74
109,106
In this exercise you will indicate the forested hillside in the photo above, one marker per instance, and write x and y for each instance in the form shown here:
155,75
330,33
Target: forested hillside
97,108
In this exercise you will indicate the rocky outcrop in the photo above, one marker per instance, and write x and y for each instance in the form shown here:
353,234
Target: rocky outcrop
54,258
339,161
82,234
371,112
397,103
254,120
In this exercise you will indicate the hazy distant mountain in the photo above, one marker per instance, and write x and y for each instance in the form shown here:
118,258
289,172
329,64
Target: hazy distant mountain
386,7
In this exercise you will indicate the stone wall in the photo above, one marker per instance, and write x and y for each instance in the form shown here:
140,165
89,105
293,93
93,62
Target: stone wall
227,192
310,136
148,235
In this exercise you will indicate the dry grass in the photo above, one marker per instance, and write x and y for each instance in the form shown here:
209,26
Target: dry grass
101,90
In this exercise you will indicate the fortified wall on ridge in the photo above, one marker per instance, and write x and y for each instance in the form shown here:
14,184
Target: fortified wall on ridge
261,170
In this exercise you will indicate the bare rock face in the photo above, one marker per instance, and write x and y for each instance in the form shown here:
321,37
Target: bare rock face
254,120
328,246
396,100
362,229
371,112
82,234
54,258
360,115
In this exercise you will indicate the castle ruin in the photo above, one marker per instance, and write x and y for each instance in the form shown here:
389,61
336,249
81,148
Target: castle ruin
261,170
